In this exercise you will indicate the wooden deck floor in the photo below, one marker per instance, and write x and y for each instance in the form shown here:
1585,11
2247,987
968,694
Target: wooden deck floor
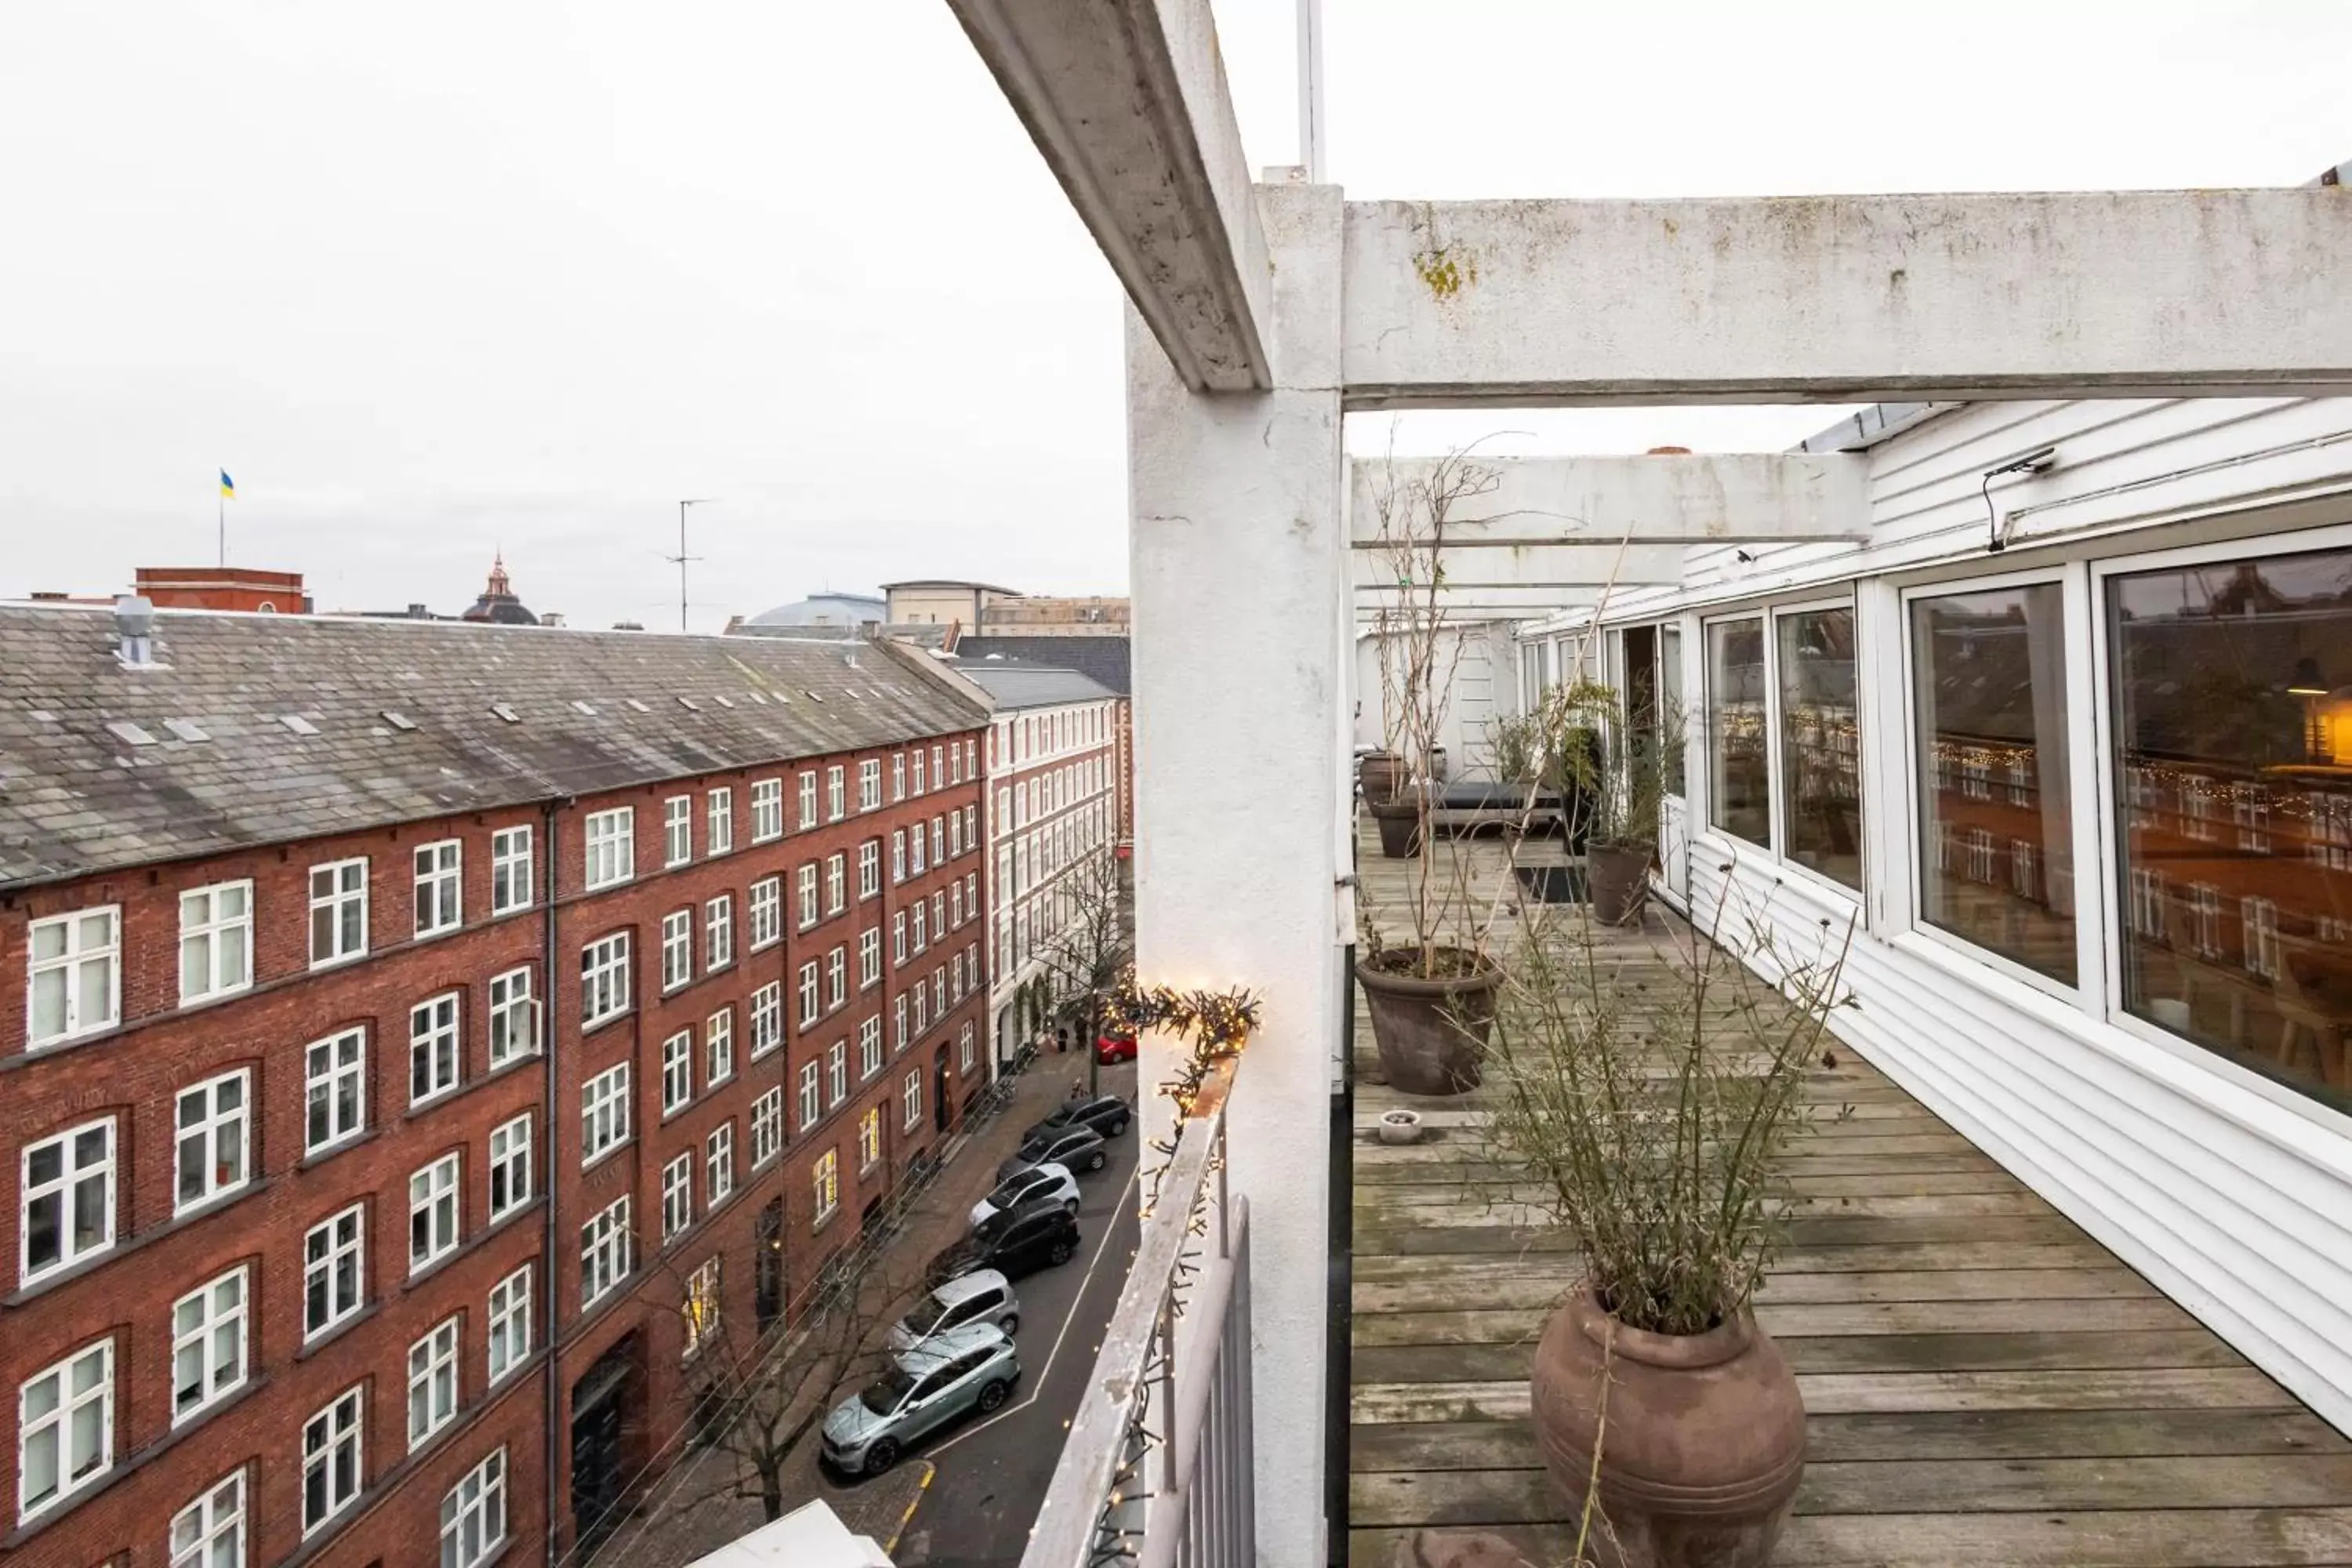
1986,1384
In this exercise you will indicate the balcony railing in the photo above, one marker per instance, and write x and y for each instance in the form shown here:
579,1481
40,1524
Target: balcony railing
1156,1471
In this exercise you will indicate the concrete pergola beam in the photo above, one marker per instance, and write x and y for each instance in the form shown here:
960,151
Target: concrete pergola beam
1371,597
1850,298
1538,562
1127,101
1652,501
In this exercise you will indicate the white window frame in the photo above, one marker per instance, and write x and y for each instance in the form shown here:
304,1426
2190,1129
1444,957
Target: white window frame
224,1137
869,958
341,1423
836,1070
439,882
57,1425
965,1038
910,1096
898,855
437,1045
805,888
768,810
436,1198
899,777
824,1174
606,1252
62,1190
211,1530
869,784
812,1105
510,870
678,830
718,932
604,1113
699,1309
836,883
204,927
767,1127
718,1048
335,1079
718,1164
836,794
836,977
764,907
603,980
811,1004
330,1263
342,898
513,1017
474,1515
869,869
508,1323
767,1018
677,1073
870,1139
678,1197
719,821
609,850
432,1382
677,950
869,1047
217,1337
509,1167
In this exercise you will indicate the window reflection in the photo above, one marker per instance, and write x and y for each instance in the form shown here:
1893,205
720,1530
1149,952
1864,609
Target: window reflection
2233,722
1821,761
1670,678
1739,772
1995,860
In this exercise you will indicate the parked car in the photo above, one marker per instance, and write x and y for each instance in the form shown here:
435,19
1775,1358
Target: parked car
1073,1148
1106,1113
1040,1233
972,1368
1048,1181
983,1295
1115,1047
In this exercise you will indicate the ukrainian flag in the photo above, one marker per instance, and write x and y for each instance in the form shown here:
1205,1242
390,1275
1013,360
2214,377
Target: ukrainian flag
228,486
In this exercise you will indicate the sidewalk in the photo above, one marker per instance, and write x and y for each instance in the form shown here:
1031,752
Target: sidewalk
669,1538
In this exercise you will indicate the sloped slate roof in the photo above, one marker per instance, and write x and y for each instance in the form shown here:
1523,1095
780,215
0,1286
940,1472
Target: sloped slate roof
1101,660
103,767
1029,685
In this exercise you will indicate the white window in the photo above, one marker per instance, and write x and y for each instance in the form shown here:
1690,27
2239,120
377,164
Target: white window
719,822
509,869
213,1139
432,1213
940,992
719,1161
612,846
698,1312
2253,820
678,830
676,949
837,976
215,940
836,883
811,1107
836,1068
2258,920
334,1073
869,867
677,1195
603,1252
808,800
964,1048
2196,819
955,833
208,1359
807,889
869,1046
922,927
432,1048
916,865
768,810
509,1325
837,797
810,1005
899,777
440,880
514,1017
432,1382
955,903
898,855
332,1474
955,979
900,1038
718,1048
75,984
825,1174
2148,900
2205,918
719,933
605,979
339,911
870,1139
766,911
604,1113
334,1277
870,957
65,1429
510,1166
474,1515
677,1072
910,1096
68,1199
767,1127
898,937
919,770
767,1018
922,1009
939,768
869,783
210,1532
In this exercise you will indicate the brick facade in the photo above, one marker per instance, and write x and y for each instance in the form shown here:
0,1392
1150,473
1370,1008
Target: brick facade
132,1074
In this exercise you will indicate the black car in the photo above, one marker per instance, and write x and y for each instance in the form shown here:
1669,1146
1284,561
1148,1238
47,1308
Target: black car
1106,1113
1073,1147
1040,1233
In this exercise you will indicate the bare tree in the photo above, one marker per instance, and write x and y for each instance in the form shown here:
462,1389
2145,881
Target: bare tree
1085,956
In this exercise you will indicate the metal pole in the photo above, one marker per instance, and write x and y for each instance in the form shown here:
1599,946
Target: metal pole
1310,89
681,563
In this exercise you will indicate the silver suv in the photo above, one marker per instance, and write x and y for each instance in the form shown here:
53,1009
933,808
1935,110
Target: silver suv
983,1295
923,1389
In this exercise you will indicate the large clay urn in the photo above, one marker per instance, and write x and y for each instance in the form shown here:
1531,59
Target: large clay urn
1430,1034
1619,877
1704,1444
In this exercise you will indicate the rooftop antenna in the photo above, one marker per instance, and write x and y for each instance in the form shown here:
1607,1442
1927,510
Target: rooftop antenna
681,558
1310,89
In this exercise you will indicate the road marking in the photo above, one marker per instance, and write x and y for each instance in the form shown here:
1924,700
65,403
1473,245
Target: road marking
930,1471
1037,1385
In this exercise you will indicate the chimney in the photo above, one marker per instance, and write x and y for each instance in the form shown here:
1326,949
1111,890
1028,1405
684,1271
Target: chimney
134,628
417,612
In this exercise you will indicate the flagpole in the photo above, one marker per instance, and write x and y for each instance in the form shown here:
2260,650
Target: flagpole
220,506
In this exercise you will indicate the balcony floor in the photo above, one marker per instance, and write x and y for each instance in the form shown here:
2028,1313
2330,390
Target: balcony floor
1986,1384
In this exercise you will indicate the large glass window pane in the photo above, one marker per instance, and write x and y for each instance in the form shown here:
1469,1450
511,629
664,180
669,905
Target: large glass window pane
2233,725
1996,864
1820,761
1670,707
1738,769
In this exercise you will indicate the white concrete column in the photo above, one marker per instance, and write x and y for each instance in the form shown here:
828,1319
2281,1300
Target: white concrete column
1240,567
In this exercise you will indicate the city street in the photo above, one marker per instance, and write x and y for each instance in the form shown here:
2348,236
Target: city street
991,1475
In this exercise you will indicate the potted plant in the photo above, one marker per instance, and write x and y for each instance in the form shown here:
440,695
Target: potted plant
1547,756
1617,776
1657,1399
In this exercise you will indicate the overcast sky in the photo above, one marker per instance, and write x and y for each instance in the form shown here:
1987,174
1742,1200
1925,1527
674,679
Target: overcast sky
434,278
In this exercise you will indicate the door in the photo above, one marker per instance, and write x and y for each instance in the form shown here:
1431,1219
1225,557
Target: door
942,1104
600,1403
1674,723
768,1272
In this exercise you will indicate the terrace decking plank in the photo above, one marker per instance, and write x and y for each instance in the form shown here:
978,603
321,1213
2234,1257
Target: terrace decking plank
1522,1326
2091,1289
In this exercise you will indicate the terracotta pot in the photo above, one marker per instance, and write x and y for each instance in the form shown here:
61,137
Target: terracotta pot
1619,876
1400,824
1432,1034
1380,774
1704,1443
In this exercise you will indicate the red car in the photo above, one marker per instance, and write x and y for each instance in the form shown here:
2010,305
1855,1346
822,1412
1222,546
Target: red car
1115,1047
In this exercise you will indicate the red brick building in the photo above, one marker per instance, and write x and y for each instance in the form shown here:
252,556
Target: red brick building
402,1000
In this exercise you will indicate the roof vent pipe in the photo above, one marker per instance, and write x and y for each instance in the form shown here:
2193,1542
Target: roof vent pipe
134,628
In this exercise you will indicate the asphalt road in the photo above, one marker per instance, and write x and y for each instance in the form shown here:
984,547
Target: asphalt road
992,1473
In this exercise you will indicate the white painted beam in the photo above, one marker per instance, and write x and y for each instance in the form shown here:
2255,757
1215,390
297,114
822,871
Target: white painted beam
1849,299
1524,600
1662,499
1516,563
1127,101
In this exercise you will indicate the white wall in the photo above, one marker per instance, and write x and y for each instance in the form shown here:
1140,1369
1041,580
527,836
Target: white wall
1474,667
